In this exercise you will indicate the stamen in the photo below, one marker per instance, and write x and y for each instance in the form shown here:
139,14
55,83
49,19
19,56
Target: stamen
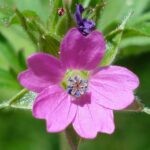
77,86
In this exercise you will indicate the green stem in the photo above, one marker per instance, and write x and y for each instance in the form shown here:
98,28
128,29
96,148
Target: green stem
16,97
13,99
73,138
113,33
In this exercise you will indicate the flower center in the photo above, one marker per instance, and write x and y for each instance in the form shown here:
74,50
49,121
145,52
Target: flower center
75,82
77,86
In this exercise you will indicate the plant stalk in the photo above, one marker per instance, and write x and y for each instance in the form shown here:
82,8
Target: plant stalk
72,138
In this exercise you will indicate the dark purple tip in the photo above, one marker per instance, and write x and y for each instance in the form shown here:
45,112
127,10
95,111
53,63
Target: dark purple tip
85,26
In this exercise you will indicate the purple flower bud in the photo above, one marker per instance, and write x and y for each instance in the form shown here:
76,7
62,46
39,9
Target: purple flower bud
84,26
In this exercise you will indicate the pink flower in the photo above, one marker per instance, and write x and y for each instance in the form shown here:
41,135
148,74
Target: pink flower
75,90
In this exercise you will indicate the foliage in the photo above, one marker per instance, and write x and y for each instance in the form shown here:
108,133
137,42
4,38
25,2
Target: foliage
32,26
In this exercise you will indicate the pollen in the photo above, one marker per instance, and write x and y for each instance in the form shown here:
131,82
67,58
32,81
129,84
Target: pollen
77,86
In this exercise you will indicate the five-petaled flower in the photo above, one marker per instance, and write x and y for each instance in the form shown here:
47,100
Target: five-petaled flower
75,90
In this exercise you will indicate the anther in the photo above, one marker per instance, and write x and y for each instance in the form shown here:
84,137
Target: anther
77,86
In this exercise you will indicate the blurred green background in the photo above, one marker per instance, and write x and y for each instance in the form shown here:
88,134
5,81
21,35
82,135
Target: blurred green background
20,131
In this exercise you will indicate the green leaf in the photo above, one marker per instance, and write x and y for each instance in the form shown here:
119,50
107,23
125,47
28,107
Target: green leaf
8,84
111,52
54,17
29,15
114,39
45,41
49,44
134,45
140,19
23,100
22,59
18,38
26,26
61,27
9,54
141,29
7,79
40,7
146,110
29,20
5,75
73,5
66,21
111,14
96,10
85,3
5,15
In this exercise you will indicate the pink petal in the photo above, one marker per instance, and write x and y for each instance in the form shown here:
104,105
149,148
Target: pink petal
46,67
91,119
32,82
82,52
54,105
103,118
112,87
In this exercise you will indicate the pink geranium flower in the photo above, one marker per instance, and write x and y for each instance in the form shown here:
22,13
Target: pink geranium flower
75,90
